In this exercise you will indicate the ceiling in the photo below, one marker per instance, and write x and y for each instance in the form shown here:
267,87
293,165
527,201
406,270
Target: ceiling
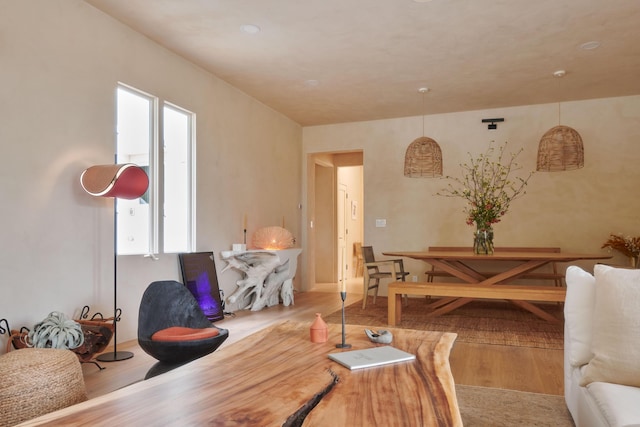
334,61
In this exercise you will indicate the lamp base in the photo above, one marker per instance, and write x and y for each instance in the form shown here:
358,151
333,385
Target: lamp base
114,356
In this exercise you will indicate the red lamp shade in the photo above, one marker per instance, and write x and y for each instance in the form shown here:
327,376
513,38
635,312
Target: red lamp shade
125,181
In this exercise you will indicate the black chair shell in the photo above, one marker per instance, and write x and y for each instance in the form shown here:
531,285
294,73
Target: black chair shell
169,303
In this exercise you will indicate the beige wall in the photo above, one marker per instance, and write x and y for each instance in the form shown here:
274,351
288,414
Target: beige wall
61,61
575,210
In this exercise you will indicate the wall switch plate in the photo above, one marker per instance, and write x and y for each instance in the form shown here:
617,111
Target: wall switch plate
381,222
414,278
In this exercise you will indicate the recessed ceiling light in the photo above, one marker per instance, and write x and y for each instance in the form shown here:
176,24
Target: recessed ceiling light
590,45
311,83
250,29
423,90
559,73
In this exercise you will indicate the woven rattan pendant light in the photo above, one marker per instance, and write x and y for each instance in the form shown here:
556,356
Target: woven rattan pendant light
423,158
561,147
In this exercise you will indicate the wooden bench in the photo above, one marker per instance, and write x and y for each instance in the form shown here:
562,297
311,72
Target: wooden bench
514,293
555,276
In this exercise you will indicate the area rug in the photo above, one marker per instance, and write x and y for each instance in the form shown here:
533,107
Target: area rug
495,407
482,322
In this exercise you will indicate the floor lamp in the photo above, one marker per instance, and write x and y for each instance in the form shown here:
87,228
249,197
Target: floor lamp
125,181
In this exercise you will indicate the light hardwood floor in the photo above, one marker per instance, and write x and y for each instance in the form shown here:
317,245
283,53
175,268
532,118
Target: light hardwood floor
516,368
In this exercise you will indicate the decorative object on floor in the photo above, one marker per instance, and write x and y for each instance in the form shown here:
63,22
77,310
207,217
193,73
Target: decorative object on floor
56,331
483,322
423,158
489,189
97,334
626,245
166,305
319,331
200,277
126,181
36,381
561,147
381,337
496,407
273,238
268,277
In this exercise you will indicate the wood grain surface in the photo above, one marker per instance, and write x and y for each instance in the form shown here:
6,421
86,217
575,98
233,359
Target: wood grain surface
266,377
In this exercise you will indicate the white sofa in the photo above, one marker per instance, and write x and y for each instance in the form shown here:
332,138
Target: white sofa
602,346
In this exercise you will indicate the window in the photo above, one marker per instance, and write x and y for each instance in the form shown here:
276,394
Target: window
162,219
178,188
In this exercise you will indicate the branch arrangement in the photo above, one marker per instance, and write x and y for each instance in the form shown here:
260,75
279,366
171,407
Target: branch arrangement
488,186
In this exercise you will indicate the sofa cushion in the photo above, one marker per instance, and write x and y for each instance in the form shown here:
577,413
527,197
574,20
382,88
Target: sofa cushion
578,314
616,328
618,404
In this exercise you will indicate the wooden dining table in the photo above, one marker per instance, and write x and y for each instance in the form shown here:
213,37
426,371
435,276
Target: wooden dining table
464,265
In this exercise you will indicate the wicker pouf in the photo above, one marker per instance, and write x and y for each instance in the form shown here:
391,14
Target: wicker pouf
36,381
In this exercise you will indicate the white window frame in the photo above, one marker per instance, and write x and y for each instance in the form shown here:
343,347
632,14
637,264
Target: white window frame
156,172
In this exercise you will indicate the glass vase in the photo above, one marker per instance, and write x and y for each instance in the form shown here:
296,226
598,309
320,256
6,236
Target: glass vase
483,241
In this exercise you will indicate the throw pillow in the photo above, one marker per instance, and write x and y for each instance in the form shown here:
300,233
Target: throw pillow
616,328
578,314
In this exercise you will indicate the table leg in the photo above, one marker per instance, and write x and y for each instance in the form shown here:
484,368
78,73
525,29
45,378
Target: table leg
535,310
454,304
394,310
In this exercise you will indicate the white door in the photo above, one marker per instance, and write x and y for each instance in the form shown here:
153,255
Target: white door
342,231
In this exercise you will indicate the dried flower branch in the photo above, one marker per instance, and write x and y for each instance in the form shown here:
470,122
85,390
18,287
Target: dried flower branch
629,246
487,186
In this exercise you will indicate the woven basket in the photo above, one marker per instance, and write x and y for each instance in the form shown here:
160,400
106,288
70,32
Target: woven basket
423,159
560,149
97,335
36,381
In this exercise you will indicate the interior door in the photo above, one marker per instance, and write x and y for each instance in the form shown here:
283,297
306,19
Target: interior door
342,231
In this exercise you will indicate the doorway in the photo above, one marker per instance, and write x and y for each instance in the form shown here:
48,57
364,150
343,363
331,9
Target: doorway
335,215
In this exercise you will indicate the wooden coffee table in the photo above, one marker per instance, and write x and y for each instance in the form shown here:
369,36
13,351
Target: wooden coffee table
267,377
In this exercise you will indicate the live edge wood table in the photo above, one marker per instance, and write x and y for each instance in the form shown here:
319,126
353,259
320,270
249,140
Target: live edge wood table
478,284
268,377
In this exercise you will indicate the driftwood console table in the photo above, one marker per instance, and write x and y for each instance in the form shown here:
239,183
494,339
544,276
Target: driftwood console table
475,284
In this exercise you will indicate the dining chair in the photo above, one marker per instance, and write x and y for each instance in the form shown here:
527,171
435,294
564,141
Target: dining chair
391,269
357,253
